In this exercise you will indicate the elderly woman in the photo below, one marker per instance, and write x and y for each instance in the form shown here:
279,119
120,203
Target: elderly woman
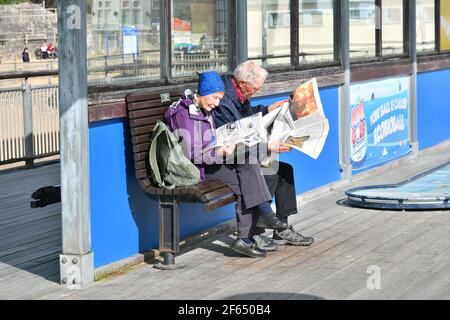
191,120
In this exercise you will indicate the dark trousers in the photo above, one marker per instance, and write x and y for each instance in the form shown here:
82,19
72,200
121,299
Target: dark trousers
281,185
248,183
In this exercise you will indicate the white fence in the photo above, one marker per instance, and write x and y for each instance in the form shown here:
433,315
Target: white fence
29,123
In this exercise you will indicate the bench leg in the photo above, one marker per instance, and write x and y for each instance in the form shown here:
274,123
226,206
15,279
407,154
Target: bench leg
169,233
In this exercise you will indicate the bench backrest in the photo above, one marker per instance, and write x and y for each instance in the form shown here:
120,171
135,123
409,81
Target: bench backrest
144,110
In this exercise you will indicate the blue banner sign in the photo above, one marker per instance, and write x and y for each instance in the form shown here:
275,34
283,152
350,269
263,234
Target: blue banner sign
379,122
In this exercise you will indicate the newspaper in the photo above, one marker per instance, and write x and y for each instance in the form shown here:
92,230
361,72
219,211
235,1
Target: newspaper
300,123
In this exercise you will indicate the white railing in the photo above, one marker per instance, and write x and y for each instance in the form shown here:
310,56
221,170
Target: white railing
29,123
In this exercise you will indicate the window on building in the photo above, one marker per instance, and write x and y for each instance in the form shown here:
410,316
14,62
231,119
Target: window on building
392,23
362,29
269,35
279,19
425,28
125,44
316,31
199,36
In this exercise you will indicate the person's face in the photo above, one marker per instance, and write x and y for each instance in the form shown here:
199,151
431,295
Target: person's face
249,89
211,101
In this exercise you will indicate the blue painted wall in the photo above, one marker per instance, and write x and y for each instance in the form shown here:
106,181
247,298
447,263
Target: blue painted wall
125,220
433,107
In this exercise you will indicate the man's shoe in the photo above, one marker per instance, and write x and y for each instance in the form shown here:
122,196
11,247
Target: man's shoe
265,243
271,222
290,236
249,250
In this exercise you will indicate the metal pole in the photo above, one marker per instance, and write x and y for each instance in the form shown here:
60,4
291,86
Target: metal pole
344,93
413,92
242,41
76,260
28,124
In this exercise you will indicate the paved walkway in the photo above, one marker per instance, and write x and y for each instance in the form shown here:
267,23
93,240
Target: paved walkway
409,250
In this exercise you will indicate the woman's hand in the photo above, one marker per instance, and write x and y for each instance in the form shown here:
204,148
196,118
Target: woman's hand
279,147
226,150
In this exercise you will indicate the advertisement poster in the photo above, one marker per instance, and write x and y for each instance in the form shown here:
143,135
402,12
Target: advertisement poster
379,122
445,25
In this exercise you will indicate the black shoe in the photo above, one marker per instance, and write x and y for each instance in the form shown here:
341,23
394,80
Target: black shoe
290,236
271,222
249,250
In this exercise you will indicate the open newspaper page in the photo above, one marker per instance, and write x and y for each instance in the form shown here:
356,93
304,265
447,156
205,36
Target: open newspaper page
247,131
301,123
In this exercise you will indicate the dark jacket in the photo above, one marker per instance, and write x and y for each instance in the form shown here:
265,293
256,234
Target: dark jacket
25,56
194,132
231,109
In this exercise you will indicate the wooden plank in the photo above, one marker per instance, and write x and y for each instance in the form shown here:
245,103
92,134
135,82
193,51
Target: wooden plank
142,122
147,112
133,99
211,205
148,106
141,174
141,156
145,138
208,186
143,147
210,195
107,111
140,165
142,130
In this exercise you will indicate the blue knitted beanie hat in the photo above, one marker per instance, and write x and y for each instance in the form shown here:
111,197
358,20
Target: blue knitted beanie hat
210,82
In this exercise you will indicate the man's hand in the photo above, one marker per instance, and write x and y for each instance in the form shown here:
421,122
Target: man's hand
226,150
279,147
276,105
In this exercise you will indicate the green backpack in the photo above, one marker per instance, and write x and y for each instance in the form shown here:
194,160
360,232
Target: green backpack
169,167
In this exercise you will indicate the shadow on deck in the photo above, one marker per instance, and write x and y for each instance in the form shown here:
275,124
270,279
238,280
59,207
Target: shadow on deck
30,239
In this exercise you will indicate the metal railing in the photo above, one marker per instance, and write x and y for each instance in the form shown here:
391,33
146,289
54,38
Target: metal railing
29,123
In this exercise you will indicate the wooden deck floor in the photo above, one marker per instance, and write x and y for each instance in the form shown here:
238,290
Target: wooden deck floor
30,239
411,251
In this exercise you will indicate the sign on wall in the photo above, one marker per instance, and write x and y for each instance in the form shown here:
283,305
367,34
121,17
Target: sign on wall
379,122
129,40
445,25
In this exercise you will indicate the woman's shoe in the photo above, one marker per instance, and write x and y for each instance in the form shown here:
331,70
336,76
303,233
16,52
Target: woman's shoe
271,222
249,250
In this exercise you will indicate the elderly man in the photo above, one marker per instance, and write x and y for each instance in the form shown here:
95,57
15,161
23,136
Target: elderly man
247,79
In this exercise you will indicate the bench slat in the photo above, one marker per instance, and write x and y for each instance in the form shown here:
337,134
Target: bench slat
216,194
148,105
136,97
144,125
209,186
140,139
209,206
142,174
141,156
146,113
143,147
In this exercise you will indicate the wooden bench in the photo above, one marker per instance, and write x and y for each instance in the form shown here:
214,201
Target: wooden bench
144,110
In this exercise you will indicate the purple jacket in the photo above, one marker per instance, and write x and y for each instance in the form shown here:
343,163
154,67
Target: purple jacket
194,131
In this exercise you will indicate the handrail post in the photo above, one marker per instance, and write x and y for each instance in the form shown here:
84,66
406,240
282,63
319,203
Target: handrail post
28,124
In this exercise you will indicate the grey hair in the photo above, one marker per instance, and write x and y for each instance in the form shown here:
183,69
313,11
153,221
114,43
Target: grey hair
249,72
